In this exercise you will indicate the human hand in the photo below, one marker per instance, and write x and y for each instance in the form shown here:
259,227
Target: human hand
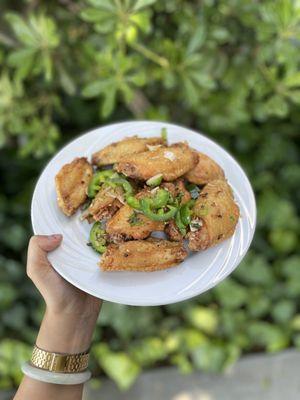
71,314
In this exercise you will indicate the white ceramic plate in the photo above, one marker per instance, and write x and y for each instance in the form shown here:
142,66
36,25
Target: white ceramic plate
77,262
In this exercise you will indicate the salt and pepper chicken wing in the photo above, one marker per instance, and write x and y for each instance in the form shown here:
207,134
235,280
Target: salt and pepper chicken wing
127,223
114,152
216,214
142,255
205,171
172,162
71,184
105,204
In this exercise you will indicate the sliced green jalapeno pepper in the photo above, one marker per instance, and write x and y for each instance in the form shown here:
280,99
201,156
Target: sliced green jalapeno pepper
181,226
97,238
97,180
184,216
160,199
185,212
133,202
124,183
157,216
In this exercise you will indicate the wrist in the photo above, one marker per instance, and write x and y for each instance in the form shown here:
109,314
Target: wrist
66,333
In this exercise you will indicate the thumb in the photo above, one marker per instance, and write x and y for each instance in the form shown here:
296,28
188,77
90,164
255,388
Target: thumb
39,246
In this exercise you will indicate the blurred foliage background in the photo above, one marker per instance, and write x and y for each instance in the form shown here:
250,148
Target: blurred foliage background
229,68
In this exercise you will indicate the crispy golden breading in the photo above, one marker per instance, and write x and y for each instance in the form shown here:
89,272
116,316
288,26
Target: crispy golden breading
217,213
172,231
142,255
176,188
71,184
205,171
105,204
172,162
131,145
129,224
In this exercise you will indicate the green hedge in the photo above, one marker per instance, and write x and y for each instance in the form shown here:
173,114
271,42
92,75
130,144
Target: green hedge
229,68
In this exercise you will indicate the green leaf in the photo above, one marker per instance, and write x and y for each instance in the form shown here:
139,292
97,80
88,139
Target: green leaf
117,365
142,21
191,92
283,311
185,339
66,81
291,267
209,357
197,38
203,318
254,269
277,106
267,335
202,79
95,88
284,241
23,60
95,15
18,57
109,101
105,4
105,26
259,305
291,81
183,363
230,294
21,30
148,351
12,354
295,323
140,4
294,96
7,295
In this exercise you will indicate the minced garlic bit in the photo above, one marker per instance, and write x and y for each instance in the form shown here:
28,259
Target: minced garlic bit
153,191
153,147
169,155
196,224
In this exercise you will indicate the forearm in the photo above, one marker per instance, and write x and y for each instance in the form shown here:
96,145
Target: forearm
36,390
61,333
65,333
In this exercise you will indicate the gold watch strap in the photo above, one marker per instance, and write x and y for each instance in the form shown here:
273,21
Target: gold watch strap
58,362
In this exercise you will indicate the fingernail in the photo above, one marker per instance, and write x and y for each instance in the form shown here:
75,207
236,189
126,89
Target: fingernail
55,237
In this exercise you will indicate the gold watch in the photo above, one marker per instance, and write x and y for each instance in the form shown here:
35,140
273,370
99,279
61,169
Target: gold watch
59,362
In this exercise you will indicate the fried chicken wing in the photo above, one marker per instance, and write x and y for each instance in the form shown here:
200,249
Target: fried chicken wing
216,214
142,255
205,171
128,146
106,203
129,224
172,162
71,184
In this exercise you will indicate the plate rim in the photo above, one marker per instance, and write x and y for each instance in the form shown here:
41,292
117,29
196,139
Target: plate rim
181,297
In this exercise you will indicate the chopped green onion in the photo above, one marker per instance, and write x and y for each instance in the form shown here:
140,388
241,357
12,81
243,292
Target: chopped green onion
164,134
